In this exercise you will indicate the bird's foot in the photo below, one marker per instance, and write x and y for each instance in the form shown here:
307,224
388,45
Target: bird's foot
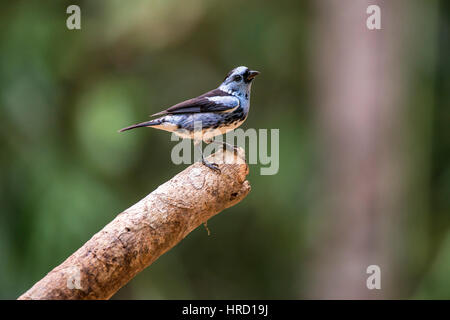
212,166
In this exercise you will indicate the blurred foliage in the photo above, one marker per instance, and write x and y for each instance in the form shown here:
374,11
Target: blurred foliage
66,172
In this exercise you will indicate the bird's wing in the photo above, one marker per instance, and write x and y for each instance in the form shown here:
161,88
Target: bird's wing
212,101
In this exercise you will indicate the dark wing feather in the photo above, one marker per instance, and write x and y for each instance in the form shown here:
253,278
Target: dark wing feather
208,102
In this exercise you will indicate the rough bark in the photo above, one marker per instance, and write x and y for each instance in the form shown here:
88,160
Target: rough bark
141,234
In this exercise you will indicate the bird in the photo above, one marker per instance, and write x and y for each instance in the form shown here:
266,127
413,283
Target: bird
211,114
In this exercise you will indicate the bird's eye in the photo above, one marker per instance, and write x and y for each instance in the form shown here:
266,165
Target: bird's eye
237,78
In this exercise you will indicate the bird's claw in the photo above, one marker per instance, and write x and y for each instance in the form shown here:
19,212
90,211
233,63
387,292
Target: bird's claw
212,166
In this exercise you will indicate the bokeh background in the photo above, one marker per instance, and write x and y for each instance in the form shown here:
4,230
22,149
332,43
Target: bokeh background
364,142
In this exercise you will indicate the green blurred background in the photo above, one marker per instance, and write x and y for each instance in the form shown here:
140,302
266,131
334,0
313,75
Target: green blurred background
65,172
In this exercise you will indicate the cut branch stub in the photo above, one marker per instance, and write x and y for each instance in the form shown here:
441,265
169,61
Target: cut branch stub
145,231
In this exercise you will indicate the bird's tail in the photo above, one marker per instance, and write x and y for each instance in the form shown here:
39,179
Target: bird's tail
150,123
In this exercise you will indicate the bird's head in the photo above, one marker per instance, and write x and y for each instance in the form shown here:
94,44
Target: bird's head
239,80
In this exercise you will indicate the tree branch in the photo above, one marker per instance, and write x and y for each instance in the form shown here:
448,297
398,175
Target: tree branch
141,234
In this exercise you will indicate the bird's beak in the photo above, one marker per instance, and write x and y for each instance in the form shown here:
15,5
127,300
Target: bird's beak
252,74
